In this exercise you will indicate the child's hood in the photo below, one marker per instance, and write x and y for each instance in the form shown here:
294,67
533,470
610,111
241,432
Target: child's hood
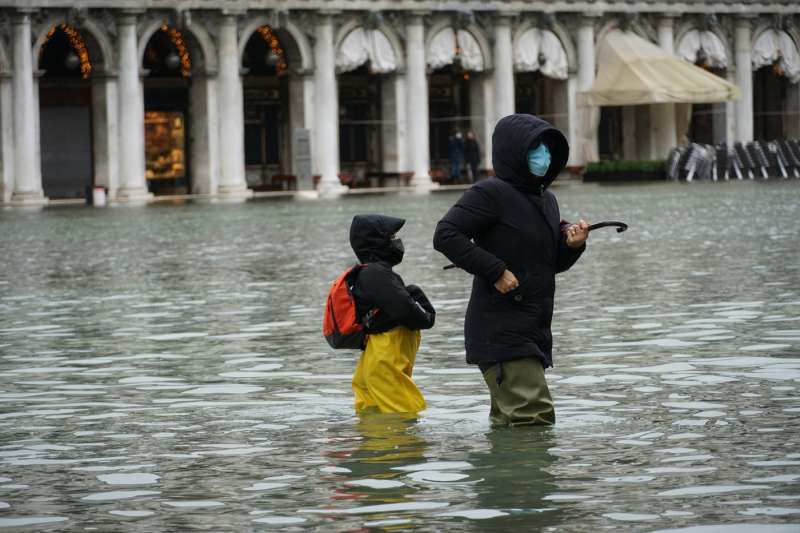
370,236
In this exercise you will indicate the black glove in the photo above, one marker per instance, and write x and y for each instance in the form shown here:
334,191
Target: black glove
419,297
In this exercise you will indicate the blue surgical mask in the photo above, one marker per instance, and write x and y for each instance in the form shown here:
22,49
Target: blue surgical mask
539,160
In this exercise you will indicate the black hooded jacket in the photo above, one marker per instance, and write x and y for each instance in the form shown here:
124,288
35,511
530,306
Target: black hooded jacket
512,222
378,286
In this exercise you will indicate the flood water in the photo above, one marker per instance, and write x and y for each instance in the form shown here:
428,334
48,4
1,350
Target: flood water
162,369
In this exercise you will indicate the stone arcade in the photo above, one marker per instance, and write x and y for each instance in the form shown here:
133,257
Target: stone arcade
223,98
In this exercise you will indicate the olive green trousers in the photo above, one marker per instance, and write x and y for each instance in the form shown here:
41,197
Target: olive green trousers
522,397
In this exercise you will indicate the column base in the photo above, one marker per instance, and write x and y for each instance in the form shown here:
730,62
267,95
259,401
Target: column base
423,184
132,196
233,193
331,189
28,199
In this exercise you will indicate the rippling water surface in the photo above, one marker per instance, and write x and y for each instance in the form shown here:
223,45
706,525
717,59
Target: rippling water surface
162,369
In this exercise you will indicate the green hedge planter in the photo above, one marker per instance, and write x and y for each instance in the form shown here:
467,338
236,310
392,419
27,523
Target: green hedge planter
625,171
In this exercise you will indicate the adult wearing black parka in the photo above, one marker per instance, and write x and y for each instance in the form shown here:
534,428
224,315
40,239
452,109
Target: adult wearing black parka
506,231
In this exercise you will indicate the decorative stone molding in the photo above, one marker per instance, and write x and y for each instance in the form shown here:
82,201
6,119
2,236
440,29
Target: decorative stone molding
546,21
464,19
373,20
106,18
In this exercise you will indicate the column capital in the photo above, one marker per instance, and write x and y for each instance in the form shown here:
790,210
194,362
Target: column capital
745,19
129,16
23,15
231,12
417,15
667,19
589,19
505,17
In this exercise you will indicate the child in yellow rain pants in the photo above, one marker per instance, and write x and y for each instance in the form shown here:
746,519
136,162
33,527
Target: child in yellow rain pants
394,313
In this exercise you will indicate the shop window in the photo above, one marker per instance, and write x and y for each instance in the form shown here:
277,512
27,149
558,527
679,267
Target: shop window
165,145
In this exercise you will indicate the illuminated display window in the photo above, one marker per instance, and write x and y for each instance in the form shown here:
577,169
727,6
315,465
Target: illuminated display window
165,144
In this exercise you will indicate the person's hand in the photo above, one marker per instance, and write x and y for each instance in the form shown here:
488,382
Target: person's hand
506,282
577,234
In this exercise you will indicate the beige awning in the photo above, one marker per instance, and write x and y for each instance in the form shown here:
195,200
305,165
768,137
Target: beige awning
633,71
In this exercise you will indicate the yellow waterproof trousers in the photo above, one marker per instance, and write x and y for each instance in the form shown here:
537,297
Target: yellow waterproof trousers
382,378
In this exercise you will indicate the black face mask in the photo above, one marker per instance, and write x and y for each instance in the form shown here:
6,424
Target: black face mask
396,251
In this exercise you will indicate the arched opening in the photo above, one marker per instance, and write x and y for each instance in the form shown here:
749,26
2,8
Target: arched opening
167,83
770,90
707,124
368,154
540,64
455,102
65,105
267,124
449,112
542,96
776,86
624,132
360,119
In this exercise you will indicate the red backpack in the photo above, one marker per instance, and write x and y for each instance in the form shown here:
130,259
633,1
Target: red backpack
340,324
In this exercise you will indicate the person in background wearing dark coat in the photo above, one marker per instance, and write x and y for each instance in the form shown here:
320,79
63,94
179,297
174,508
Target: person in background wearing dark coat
472,156
506,231
382,379
455,151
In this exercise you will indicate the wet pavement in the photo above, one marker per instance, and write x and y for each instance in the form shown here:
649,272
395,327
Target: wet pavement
162,369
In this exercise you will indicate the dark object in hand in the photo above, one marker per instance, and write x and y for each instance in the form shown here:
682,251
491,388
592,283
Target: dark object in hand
621,226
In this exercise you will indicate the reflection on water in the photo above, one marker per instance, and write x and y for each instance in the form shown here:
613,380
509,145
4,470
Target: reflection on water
162,369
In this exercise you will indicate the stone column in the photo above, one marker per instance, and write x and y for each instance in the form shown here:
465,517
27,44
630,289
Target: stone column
730,110
573,119
27,178
744,78
205,146
301,117
393,130
326,100
232,181
104,132
7,136
663,131
419,155
132,182
503,66
587,123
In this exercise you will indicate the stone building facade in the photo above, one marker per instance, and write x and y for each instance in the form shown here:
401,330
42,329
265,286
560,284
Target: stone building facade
222,97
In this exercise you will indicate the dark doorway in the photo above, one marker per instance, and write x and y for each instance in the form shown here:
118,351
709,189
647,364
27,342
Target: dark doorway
65,105
708,120
267,134
770,89
360,145
542,96
610,133
449,110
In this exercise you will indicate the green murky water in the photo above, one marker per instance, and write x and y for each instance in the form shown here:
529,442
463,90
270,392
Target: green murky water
162,369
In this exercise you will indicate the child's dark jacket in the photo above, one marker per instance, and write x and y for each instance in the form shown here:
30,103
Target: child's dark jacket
378,286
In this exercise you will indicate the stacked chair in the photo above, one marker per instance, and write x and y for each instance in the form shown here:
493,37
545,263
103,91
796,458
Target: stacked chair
753,160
